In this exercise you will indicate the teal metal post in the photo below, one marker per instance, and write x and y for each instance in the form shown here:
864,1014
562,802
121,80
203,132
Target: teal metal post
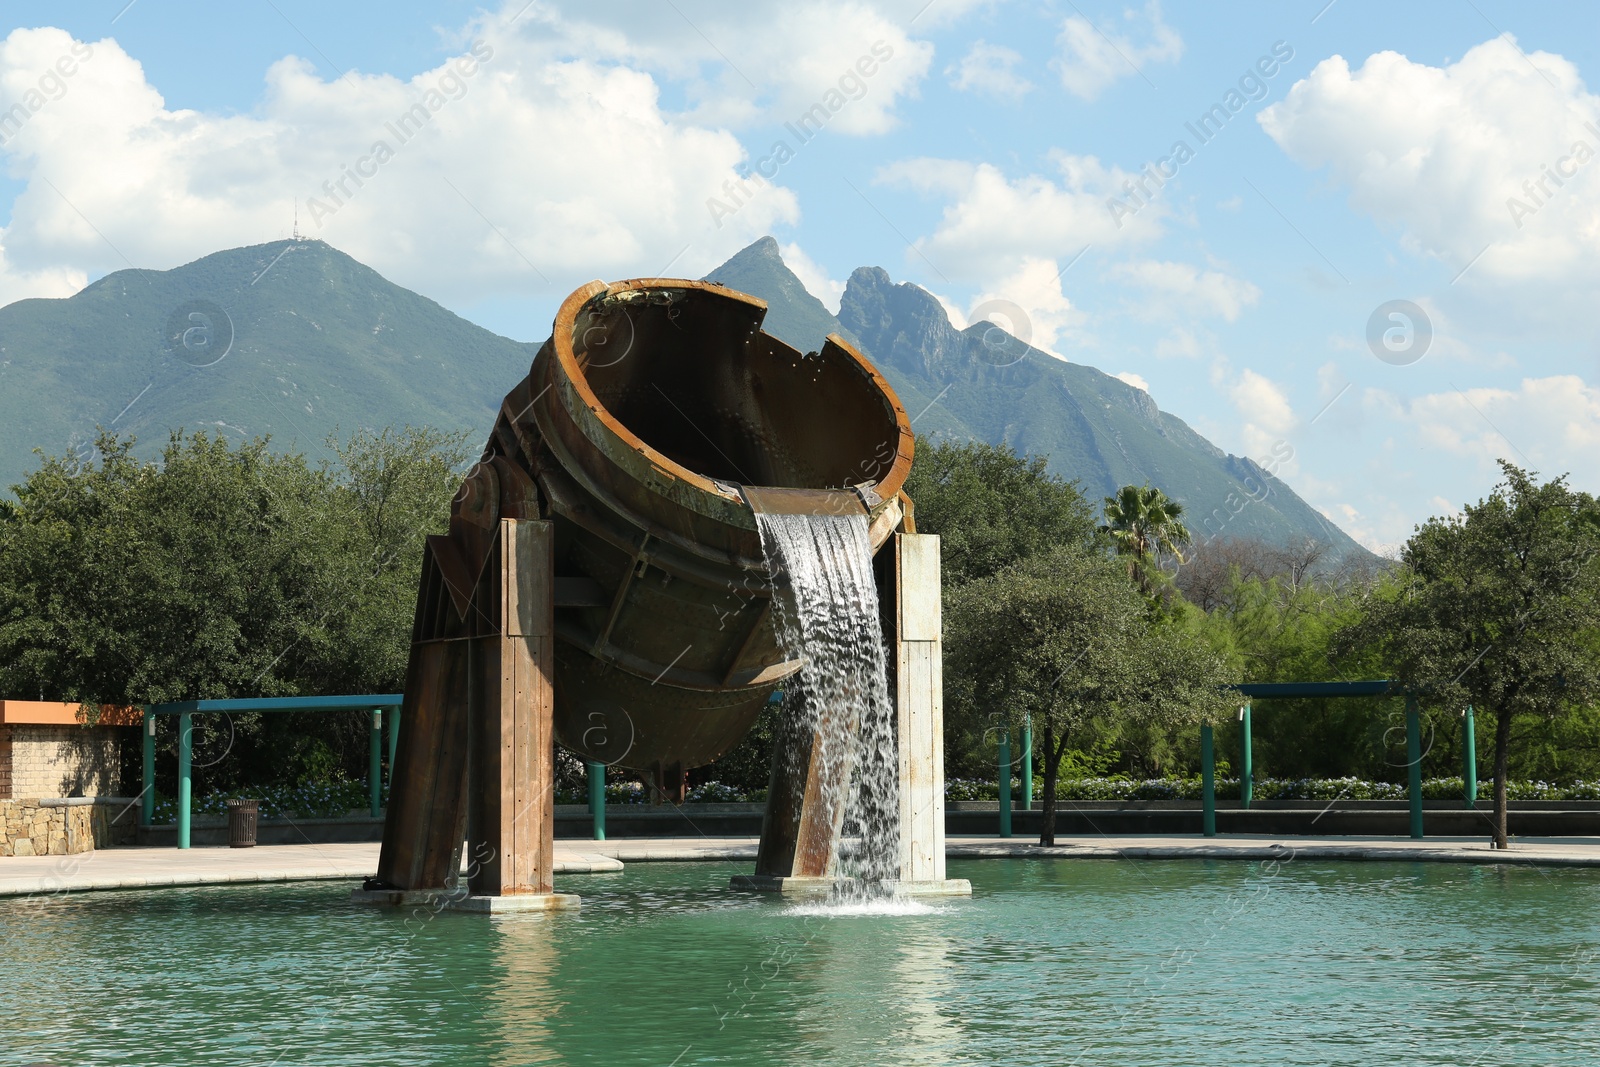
1027,766
1005,784
391,718
185,774
375,763
597,798
147,795
1247,775
1414,764
1208,784
1469,759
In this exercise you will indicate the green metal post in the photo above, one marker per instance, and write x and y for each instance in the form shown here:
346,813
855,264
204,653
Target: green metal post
375,763
597,798
1247,780
1469,759
185,774
1208,784
1027,766
147,795
1005,784
391,717
1414,764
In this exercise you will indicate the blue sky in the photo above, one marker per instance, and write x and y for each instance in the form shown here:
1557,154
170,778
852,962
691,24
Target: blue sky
1373,153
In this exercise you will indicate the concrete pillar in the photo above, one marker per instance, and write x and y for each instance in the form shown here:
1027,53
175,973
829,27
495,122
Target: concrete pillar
917,662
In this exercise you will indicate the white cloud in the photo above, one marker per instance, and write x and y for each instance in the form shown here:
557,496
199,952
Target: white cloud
46,282
952,310
1551,424
990,70
1189,288
1091,59
1180,343
993,221
1135,380
813,276
1266,418
746,63
1383,534
1034,289
565,167
1447,154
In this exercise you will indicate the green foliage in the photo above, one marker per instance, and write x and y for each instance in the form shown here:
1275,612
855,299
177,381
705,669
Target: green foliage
1145,524
122,582
1498,608
747,767
991,507
223,572
1274,631
1061,640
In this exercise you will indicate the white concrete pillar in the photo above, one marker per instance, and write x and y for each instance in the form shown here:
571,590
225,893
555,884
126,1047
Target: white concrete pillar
919,706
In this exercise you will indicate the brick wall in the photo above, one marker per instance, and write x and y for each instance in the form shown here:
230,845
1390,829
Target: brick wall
61,760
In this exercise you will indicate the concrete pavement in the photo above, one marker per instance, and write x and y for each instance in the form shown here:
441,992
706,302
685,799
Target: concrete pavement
150,868
158,868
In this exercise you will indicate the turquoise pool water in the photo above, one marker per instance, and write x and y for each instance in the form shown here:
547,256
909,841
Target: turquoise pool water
1051,962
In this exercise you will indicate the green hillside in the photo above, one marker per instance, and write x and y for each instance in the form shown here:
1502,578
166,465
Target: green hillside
294,339
991,387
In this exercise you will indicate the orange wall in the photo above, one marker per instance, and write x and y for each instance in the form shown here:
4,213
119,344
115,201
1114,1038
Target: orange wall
53,713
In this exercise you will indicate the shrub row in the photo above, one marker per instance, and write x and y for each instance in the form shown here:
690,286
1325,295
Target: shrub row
1273,789
331,799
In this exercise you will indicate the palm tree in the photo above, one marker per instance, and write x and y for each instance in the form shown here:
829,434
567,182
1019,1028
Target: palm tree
1144,522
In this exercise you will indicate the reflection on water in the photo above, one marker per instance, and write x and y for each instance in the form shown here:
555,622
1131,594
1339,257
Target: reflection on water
523,996
924,1028
1051,962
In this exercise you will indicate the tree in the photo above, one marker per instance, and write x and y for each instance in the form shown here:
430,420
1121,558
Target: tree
991,507
390,491
129,583
1217,564
1274,632
1143,523
1499,608
223,571
1060,639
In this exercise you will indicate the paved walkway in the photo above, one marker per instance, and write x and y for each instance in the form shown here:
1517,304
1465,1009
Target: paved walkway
135,868
1548,851
154,868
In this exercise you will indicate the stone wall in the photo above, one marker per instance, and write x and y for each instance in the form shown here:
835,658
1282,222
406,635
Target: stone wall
51,760
55,827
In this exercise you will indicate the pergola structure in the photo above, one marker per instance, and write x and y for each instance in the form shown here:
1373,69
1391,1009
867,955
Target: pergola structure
1377,688
381,705
1253,691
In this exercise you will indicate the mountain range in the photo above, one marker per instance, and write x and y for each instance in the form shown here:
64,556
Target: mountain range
298,340
983,384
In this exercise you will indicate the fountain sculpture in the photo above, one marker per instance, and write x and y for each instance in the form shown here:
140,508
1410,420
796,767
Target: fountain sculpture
606,583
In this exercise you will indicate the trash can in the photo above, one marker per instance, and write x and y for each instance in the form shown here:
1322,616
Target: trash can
242,823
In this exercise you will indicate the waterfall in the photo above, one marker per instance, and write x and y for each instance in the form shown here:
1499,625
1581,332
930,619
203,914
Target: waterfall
827,616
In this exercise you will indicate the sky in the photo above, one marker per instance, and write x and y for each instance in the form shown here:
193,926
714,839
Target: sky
1358,242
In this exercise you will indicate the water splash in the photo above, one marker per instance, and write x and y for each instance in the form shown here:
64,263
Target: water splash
828,617
882,905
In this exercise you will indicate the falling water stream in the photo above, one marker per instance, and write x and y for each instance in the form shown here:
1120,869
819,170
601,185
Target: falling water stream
827,617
